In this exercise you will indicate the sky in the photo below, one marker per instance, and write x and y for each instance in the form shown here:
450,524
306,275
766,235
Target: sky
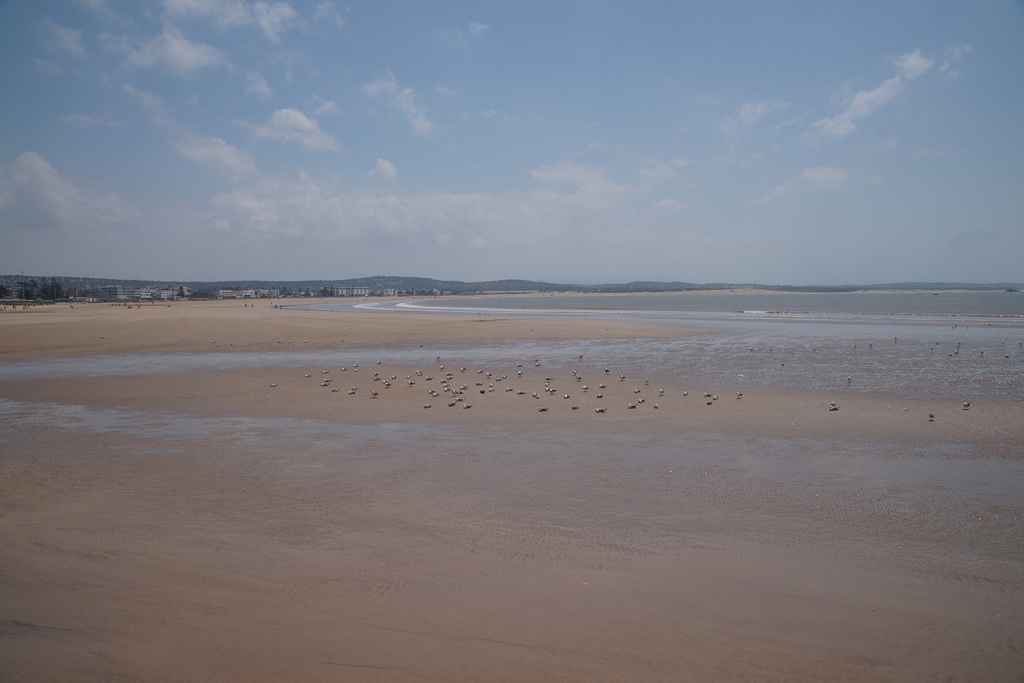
566,141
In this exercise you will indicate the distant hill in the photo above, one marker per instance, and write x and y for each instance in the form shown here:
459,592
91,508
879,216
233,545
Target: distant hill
418,286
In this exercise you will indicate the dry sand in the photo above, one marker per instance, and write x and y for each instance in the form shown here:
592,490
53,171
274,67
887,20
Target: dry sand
210,526
63,330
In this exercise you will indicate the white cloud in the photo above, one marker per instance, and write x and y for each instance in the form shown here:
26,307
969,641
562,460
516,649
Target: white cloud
37,198
217,155
749,113
64,39
153,105
325,12
569,201
662,170
478,29
818,177
48,67
912,64
954,54
210,152
828,177
223,13
585,186
257,86
493,115
670,205
402,100
172,51
325,106
778,191
444,90
865,102
384,170
291,125
272,18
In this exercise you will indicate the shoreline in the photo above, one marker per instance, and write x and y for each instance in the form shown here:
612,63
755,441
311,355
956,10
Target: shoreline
291,386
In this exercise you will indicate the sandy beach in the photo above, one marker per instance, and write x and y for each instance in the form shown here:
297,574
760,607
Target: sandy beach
307,517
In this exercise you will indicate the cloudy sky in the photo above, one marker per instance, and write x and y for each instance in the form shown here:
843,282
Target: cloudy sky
589,141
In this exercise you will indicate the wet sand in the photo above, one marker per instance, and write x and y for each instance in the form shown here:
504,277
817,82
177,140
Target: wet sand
208,526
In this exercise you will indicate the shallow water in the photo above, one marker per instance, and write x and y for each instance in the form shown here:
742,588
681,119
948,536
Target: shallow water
961,363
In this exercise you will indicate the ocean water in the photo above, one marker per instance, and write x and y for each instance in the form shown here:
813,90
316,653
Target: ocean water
906,344
968,346
858,307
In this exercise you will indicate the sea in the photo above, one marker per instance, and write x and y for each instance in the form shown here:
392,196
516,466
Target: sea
966,345
904,344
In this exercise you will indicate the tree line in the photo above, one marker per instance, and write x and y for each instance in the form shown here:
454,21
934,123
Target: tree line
35,290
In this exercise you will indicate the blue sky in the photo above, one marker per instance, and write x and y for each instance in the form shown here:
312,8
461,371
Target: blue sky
781,142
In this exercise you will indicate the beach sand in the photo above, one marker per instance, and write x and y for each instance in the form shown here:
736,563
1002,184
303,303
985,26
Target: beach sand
255,525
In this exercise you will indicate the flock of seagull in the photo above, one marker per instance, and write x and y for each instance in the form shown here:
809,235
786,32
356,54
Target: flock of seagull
458,388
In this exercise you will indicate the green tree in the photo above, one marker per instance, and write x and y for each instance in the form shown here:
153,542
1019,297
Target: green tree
28,289
51,290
